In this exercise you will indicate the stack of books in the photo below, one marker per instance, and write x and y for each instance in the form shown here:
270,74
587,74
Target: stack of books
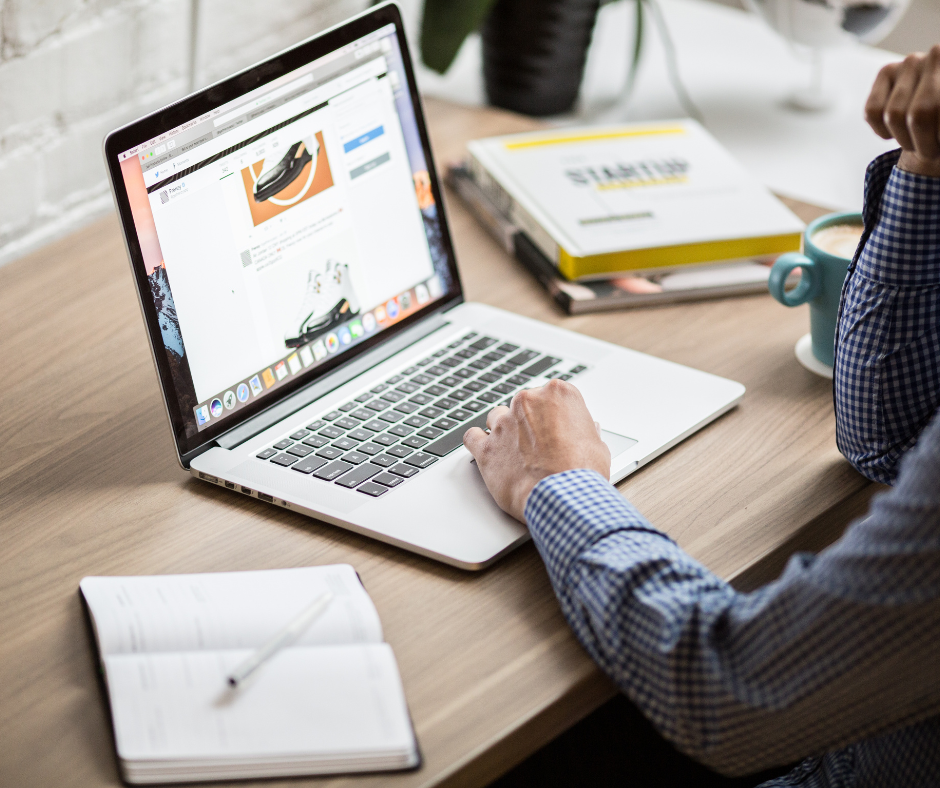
607,218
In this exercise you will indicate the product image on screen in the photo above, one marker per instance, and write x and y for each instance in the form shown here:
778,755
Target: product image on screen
286,227
329,300
281,181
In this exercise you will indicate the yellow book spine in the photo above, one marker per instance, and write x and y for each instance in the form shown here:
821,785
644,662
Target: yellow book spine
683,254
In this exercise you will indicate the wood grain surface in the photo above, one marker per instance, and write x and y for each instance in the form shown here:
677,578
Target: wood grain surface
89,485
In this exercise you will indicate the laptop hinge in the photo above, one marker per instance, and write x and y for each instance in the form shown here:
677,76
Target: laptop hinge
334,380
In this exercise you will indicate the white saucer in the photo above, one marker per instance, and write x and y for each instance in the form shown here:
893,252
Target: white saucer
804,354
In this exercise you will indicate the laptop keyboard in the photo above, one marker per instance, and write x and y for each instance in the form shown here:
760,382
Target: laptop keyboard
398,428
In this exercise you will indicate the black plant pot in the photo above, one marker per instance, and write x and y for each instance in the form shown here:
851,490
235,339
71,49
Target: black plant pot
534,53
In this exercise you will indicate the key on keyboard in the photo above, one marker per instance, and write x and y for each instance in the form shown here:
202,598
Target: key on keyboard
359,475
447,443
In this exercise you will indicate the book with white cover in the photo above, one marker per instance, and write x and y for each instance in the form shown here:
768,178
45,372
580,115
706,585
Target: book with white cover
331,702
598,201
640,289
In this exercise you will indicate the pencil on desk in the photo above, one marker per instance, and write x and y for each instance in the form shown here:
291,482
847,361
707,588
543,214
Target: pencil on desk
280,639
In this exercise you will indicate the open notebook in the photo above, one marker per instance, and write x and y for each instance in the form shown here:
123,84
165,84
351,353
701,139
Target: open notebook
331,702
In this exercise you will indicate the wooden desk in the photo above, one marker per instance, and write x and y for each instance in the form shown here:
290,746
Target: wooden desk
89,485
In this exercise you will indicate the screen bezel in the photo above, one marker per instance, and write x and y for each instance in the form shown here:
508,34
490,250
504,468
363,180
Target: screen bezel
191,442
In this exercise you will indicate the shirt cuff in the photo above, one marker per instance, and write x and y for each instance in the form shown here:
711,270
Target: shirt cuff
903,249
569,512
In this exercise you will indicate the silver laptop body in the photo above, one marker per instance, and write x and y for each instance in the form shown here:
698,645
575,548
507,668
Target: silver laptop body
297,279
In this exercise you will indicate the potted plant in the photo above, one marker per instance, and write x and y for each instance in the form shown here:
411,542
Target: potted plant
533,50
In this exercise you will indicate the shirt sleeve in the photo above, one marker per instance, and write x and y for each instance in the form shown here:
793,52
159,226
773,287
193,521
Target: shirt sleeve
887,365
834,651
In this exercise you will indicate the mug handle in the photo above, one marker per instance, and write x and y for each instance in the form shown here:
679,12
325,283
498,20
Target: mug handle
810,282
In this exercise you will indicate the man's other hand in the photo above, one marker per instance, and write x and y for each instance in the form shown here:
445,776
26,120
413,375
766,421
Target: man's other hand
905,104
544,431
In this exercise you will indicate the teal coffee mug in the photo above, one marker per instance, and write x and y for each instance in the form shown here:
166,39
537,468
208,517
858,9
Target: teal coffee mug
829,244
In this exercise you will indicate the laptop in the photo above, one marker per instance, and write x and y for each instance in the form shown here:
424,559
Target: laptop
298,283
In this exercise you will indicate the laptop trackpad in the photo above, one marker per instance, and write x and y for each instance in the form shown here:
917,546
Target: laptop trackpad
617,444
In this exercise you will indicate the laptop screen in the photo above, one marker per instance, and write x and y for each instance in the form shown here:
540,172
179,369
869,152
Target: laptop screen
287,227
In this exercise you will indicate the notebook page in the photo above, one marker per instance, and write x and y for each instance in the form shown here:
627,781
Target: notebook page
227,610
332,700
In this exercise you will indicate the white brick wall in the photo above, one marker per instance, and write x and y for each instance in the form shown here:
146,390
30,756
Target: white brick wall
233,35
73,70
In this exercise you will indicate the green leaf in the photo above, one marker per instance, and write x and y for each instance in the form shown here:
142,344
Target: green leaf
637,52
445,25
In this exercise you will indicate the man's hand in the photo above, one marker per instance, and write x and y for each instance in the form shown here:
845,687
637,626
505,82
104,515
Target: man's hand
905,104
545,431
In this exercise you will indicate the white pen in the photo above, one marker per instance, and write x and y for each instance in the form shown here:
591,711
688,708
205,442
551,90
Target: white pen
280,639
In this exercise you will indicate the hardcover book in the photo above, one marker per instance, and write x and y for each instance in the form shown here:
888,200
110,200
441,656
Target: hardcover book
623,291
598,202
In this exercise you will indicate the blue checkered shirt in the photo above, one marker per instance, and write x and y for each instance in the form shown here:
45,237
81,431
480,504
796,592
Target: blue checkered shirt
837,662
887,370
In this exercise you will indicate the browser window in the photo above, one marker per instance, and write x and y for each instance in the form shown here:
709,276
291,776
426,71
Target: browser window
285,228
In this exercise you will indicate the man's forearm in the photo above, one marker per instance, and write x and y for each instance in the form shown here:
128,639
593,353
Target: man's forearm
740,681
887,370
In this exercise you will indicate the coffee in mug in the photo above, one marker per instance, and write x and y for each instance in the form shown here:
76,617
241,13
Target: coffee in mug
839,240
829,245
